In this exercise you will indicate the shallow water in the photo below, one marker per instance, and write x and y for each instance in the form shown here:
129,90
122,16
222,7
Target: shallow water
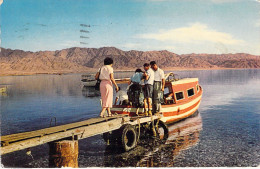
225,132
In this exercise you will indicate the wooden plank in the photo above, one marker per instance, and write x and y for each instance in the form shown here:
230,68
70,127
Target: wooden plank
46,131
52,129
81,132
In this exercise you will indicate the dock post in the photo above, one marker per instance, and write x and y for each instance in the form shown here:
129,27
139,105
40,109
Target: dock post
63,153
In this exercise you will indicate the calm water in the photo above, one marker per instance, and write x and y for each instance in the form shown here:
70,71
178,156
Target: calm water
225,132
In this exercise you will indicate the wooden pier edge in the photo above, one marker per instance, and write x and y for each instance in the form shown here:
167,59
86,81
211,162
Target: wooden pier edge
77,131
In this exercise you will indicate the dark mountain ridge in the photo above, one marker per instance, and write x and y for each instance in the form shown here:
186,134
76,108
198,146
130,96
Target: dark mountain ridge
85,59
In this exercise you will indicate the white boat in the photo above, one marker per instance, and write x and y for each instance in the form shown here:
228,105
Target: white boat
90,81
182,99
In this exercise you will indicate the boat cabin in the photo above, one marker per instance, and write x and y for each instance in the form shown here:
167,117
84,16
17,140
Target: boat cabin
180,90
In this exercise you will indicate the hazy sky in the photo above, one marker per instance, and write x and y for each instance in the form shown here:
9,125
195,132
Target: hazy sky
180,26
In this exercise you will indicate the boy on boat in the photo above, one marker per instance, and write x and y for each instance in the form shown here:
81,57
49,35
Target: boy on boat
122,96
137,77
148,87
158,86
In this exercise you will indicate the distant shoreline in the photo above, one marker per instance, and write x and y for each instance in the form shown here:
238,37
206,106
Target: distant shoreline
16,73
88,60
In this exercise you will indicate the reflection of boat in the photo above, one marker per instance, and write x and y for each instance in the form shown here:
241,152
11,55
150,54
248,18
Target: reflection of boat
89,80
182,135
90,92
182,98
3,89
184,128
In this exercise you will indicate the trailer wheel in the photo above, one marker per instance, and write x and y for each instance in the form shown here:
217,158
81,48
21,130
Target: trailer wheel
128,137
161,130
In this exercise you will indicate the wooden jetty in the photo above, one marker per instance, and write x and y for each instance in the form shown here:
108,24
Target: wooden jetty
125,126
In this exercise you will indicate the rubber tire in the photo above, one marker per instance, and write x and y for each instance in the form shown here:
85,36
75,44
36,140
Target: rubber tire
127,137
163,126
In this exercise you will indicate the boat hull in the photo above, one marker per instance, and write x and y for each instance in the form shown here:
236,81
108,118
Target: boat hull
169,113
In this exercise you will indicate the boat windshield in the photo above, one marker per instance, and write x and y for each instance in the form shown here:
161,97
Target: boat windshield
170,77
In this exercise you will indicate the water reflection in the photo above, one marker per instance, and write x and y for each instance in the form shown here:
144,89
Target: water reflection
43,85
230,110
90,91
3,94
158,153
222,77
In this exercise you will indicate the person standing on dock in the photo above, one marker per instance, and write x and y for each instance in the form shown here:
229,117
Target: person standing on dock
106,75
158,86
148,87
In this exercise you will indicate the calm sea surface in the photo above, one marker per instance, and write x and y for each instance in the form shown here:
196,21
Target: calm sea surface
224,132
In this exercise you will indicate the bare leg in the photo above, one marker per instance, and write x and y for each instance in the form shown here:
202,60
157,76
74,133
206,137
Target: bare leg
145,106
149,105
102,112
109,112
137,111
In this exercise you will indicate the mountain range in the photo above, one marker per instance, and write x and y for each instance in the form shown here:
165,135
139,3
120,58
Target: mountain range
73,60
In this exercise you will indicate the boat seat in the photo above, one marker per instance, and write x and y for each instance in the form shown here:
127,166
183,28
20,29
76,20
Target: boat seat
168,98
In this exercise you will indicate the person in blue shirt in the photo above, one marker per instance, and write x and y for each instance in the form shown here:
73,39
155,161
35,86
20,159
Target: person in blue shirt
135,88
137,77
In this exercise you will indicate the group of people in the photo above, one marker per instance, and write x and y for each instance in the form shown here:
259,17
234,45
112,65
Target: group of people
150,82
